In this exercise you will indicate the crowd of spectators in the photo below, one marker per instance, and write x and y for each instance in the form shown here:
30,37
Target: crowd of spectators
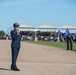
47,37
51,38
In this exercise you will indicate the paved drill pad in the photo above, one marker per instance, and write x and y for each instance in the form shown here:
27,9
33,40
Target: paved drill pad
37,60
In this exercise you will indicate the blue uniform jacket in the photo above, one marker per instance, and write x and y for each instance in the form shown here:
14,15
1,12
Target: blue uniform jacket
15,39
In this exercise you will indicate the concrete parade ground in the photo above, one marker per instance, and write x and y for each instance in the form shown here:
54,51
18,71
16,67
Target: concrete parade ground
37,60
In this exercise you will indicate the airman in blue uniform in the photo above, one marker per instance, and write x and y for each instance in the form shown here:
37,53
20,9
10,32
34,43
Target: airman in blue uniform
15,45
68,39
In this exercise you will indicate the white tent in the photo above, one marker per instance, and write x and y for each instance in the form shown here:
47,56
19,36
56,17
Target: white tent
26,26
68,27
46,26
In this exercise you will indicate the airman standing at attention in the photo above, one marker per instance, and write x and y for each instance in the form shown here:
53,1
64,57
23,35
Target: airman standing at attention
15,45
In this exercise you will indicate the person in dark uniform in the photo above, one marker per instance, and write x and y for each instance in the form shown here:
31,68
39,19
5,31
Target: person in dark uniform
68,39
15,45
75,42
75,38
69,43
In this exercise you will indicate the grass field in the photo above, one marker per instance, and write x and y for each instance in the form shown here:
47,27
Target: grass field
61,45
52,44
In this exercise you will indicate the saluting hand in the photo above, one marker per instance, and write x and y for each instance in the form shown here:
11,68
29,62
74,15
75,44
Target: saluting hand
18,32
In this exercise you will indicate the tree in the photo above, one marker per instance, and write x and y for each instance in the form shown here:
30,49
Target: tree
2,33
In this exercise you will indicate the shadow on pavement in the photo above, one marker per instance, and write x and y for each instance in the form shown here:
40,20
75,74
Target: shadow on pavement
4,69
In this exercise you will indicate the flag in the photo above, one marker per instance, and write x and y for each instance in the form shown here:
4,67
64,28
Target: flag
58,33
67,33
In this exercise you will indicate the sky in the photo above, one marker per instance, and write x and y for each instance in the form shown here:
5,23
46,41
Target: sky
37,12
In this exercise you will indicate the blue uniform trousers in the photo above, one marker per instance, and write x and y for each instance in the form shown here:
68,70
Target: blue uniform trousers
69,43
15,52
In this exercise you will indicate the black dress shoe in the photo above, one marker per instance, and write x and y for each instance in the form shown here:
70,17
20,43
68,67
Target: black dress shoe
14,68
